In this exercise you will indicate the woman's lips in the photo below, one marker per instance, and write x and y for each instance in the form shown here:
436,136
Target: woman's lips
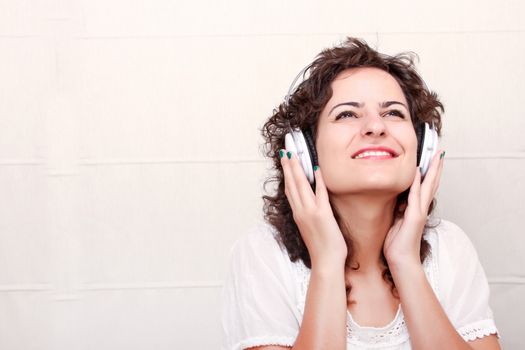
374,151
375,157
372,154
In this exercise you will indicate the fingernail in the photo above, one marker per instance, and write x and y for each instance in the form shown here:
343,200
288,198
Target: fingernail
316,167
441,155
444,153
289,154
281,153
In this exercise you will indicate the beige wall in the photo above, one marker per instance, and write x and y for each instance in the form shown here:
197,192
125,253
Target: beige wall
129,159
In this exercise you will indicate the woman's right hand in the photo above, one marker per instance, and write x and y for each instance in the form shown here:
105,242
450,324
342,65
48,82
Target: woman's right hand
312,213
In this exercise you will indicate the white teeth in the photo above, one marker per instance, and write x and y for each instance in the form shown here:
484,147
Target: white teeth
372,153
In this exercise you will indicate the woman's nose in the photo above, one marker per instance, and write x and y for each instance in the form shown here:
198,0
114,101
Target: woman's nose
374,125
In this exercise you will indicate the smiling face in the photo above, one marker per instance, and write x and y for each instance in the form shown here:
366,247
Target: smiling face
367,110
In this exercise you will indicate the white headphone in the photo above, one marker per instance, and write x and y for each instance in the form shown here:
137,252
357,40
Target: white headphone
303,145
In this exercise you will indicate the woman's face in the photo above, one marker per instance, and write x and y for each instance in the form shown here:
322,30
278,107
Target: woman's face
367,110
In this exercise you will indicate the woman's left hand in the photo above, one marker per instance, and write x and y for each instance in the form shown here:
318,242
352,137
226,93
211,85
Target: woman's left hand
403,240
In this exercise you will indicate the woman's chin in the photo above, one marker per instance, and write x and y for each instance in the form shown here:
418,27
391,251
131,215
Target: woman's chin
372,186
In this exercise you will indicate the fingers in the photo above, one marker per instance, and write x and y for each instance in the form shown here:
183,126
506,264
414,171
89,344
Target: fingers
290,188
320,187
431,181
438,176
298,185
414,194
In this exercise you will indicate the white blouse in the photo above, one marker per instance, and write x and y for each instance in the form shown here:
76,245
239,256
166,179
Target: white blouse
264,295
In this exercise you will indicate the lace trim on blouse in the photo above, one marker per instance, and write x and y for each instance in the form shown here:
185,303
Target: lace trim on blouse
264,340
479,329
396,332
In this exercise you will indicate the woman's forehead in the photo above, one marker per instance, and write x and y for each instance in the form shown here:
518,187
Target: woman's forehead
360,74
366,82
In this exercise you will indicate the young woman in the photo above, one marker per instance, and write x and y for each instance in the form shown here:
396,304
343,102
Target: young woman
352,259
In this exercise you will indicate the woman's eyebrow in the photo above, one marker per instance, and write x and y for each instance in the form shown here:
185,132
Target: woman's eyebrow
389,103
359,105
350,103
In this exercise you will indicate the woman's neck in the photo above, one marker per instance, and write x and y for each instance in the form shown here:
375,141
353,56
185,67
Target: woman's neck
367,219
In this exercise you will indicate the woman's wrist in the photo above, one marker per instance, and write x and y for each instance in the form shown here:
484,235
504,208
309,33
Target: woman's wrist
329,264
400,265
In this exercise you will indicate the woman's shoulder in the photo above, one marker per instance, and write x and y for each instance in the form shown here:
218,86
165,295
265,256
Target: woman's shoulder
452,248
261,238
463,286
450,245
257,254
447,233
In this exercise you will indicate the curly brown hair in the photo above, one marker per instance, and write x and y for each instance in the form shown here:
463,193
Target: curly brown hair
302,110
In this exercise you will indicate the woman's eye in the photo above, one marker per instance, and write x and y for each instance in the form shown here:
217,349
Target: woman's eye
396,113
344,115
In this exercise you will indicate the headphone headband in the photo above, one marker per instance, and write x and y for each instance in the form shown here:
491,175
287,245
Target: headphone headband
292,88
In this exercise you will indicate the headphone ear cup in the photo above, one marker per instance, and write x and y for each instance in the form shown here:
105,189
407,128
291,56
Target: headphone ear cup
310,143
420,135
298,143
429,145
289,143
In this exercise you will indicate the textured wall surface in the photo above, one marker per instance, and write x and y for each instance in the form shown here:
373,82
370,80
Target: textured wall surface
130,163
